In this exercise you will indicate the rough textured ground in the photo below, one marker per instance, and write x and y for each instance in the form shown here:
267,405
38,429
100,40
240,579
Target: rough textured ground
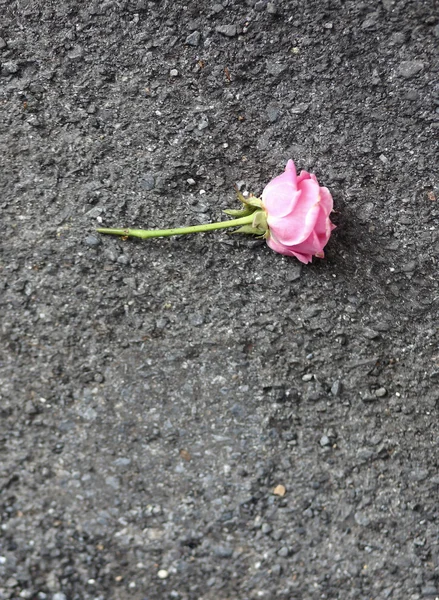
154,394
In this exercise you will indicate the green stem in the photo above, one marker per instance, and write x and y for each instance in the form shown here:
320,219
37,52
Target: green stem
152,233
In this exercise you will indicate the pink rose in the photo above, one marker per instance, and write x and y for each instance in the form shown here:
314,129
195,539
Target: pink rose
297,210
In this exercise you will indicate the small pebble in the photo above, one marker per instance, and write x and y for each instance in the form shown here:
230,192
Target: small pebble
361,519
336,388
113,482
275,68
300,108
10,67
368,398
260,5
429,591
380,392
92,240
162,574
196,320
148,182
266,528
76,53
279,490
223,551
173,73
284,551
363,455
240,185
294,272
227,30
194,38
272,113
410,68
272,8
325,441
110,255
412,95
371,334
307,377
409,267
122,462
123,259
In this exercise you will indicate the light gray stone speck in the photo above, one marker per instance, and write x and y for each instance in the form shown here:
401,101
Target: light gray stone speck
10,67
194,38
227,30
336,388
325,441
272,113
410,68
92,241
112,482
361,519
380,392
148,182
299,109
223,551
260,5
275,68
123,259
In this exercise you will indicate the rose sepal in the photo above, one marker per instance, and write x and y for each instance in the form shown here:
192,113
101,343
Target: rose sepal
243,212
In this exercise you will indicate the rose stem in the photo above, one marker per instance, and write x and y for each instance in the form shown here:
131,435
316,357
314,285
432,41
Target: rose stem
152,233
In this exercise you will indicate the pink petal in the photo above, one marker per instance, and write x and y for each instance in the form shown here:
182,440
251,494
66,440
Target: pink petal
280,199
281,249
303,175
280,195
304,258
312,245
326,200
294,227
291,167
323,227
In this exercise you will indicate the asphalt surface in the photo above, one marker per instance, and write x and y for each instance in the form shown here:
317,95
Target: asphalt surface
200,418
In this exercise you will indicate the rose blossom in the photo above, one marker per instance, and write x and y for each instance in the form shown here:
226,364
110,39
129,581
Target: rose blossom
297,210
